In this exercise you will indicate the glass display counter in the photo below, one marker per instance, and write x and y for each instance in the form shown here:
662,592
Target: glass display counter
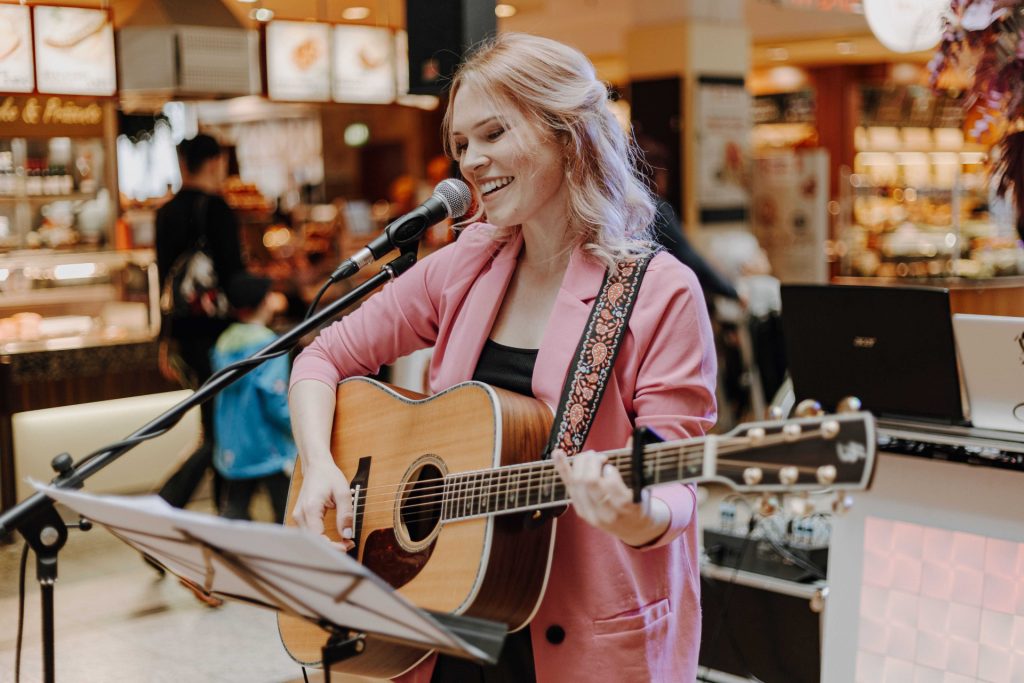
74,328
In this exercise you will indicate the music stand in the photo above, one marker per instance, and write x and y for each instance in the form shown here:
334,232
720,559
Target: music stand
286,569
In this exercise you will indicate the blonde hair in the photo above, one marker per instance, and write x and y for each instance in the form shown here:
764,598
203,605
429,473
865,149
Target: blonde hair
555,87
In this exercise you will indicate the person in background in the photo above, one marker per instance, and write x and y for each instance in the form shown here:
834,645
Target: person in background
196,209
668,231
253,445
560,202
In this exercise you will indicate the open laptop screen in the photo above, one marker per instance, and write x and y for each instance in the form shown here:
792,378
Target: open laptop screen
892,347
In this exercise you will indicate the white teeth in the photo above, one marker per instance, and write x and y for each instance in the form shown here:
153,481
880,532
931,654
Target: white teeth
492,185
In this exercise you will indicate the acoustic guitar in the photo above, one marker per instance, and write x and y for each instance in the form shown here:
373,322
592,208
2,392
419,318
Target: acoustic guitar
449,495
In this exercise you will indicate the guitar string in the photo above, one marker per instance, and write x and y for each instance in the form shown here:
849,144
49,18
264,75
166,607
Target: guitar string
526,486
736,443
659,451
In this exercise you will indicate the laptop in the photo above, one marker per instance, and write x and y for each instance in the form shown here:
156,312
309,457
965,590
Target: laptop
992,357
891,347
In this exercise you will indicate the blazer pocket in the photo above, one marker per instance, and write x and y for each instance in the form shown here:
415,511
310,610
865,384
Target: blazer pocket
634,620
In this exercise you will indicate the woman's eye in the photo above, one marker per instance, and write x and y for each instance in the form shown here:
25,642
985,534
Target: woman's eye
460,147
495,134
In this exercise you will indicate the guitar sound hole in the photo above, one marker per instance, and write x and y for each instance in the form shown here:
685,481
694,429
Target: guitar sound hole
421,508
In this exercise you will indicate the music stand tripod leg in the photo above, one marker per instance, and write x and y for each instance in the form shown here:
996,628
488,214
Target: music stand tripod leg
340,646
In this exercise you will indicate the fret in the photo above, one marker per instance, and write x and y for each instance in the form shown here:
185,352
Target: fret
465,496
477,493
657,466
679,464
508,489
552,477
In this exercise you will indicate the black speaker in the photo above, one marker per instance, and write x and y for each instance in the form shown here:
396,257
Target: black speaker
440,34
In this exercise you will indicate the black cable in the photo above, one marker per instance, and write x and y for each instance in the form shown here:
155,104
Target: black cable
304,676
21,612
316,302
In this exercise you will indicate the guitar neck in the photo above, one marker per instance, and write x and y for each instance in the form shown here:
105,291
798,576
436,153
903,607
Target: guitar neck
533,486
801,454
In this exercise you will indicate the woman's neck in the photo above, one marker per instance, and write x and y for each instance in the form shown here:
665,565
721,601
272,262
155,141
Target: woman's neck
546,244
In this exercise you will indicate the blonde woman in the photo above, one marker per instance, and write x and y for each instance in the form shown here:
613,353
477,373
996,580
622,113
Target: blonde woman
560,200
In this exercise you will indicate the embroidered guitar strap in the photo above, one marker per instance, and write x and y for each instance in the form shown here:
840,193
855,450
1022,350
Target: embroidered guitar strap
595,356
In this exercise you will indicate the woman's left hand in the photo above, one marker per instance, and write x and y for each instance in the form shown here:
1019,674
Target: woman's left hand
602,499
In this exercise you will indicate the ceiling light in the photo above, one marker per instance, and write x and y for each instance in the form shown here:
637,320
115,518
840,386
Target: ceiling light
778,54
355,13
906,25
262,14
845,47
248,2
505,11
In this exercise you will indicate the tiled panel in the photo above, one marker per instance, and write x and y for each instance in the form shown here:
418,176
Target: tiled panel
939,606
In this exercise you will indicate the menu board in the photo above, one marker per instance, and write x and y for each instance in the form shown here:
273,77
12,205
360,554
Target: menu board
364,65
15,49
298,61
74,51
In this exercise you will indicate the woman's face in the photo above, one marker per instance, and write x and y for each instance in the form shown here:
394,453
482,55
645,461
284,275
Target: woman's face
515,168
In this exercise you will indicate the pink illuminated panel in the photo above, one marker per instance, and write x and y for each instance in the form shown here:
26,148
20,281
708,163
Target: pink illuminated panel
939,606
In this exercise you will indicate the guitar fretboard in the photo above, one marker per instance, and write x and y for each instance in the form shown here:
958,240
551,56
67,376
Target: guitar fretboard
532,486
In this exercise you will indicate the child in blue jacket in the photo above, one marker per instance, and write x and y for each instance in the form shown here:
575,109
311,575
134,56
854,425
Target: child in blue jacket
254,445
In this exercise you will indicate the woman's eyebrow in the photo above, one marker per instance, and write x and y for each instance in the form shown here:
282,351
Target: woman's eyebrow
478,124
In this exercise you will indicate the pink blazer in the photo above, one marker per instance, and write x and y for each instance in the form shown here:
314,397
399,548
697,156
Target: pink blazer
611,612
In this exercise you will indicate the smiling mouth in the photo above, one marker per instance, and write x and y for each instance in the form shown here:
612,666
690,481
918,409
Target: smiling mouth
491,187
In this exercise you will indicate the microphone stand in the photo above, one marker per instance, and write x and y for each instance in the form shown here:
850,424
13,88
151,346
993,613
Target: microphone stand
36,518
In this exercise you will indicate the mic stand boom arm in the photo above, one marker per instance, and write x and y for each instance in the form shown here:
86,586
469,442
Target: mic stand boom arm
36,518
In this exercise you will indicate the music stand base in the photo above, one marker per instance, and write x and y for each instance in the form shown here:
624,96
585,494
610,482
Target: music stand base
341,646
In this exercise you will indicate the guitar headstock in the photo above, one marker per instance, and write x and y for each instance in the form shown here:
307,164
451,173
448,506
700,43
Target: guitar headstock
799,454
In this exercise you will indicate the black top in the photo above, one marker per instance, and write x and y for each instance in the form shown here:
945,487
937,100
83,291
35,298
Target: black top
509,368
506,367
669,234
177,231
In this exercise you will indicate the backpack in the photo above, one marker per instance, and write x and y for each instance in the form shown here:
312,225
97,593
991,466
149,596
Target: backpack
191,288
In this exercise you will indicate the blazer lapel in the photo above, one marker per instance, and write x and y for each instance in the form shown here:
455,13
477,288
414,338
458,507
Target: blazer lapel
480,307
569,316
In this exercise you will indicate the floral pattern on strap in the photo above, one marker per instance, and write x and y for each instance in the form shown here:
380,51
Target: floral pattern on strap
595,356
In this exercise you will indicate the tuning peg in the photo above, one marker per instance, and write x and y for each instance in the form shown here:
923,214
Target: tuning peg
788,475
848,404
775,413
752,476
756,435
818,600
830,429
826,475
791,432
808,408
767,506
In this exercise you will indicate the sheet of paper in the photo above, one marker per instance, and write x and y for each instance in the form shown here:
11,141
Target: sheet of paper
267,564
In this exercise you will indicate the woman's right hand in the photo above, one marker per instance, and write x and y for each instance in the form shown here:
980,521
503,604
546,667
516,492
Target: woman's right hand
324,487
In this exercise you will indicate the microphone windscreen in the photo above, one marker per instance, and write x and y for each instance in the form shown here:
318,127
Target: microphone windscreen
456,196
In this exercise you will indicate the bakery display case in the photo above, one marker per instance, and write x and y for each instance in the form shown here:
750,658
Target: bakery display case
59,301
918,201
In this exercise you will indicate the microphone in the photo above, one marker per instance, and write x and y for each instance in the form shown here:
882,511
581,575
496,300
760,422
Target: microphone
451,198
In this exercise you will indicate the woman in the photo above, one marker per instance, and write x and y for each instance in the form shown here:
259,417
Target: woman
507,303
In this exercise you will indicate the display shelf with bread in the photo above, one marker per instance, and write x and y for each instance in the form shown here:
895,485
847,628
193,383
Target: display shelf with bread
918,204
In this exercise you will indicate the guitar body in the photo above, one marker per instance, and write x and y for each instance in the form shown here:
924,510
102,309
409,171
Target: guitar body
385,440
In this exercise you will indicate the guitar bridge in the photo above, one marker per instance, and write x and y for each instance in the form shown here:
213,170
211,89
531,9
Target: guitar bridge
359,484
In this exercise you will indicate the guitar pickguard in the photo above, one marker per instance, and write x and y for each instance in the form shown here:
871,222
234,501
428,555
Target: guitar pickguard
388,559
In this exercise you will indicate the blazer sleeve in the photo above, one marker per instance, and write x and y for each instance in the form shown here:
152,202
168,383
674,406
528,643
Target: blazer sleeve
397,320
675,384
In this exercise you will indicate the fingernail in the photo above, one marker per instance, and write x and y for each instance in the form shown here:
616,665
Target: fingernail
346,533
